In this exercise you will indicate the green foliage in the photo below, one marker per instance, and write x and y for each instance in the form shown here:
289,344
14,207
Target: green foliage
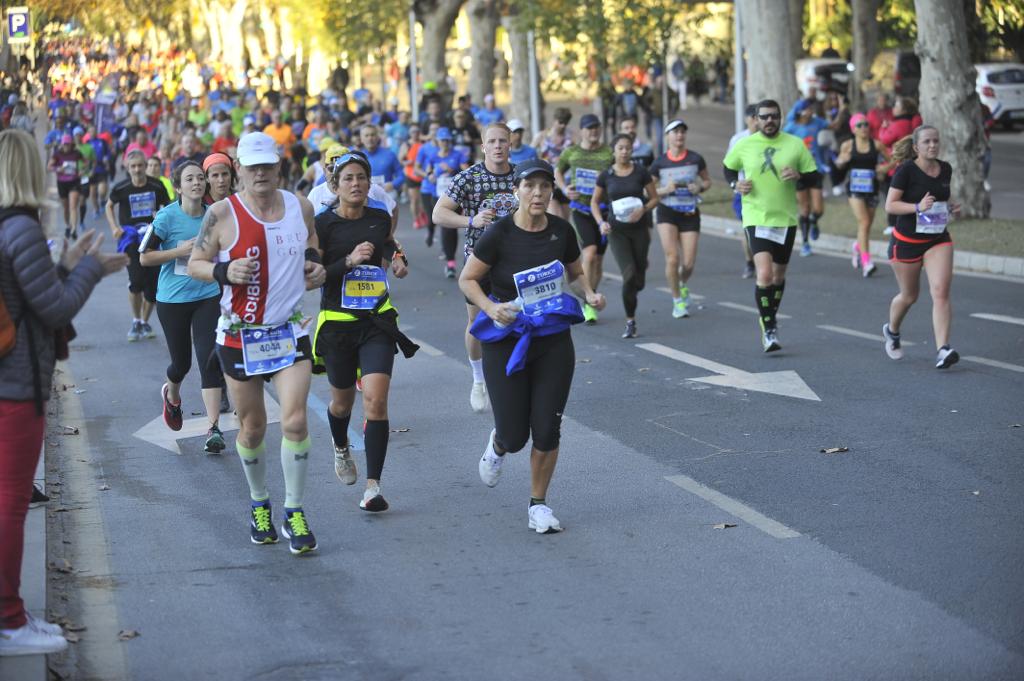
361,27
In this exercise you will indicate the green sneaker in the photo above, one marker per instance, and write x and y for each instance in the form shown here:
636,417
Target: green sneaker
684,293
679,309
261,524
297,532
589,314
215,440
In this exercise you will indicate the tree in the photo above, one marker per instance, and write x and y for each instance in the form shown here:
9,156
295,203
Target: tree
437,18
517,35
865,47
796,26
484,16
766,32
949,101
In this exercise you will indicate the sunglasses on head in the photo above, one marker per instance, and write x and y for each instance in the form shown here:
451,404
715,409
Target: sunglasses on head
344,159
769,117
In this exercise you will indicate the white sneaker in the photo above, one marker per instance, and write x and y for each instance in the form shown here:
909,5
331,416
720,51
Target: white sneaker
344,466
542,520
946,358
373,501
679,309
869,270
478,398
30,640
490,464
44,626
887,231
892,343
855,259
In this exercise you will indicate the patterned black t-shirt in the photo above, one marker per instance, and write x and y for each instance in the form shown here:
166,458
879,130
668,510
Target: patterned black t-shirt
476,189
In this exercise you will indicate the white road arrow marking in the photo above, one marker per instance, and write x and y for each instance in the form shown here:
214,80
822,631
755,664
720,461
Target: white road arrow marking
156,431
786,383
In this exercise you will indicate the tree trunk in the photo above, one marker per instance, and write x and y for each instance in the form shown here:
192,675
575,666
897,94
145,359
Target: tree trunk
796,26
949,101
483,27
437,18
766,31
865,47
520,106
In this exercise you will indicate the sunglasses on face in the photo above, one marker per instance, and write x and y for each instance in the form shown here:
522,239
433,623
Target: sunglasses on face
861,125
769,117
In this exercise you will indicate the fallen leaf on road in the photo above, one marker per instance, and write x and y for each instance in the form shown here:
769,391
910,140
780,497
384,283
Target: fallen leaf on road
79,391
65,386
1016,425
643,369
976,492
399,430
127,634
834,450
70,430
71,637
953,411
723,526
64,567
104,487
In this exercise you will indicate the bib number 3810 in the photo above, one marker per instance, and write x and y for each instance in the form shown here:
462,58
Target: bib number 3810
540,288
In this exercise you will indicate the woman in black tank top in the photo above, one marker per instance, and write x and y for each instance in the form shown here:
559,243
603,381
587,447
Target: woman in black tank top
862,157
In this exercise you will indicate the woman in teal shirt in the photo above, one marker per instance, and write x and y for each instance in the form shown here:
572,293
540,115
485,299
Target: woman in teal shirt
188,309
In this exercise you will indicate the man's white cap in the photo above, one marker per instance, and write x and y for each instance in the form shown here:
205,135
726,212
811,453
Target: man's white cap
488,98
257,148
516,124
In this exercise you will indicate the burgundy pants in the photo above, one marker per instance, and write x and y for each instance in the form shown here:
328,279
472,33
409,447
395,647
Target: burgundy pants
21,436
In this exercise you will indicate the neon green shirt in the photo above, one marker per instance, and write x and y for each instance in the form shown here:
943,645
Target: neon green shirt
584,166
772,201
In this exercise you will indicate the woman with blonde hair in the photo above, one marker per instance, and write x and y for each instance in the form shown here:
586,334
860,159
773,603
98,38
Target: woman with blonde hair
38,299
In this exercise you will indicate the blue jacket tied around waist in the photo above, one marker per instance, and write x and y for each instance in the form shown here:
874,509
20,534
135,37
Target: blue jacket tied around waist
526,327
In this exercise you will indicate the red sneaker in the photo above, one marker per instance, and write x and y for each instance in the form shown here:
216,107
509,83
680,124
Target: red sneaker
172,412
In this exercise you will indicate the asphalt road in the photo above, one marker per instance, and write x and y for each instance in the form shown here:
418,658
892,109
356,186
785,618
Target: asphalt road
898,559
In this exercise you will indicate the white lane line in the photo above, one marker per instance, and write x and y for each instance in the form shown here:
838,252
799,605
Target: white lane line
994,363
663,289
427,347
733,507
998,318
750,309
858,334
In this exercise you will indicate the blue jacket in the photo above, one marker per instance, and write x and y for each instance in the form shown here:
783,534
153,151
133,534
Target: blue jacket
526,328
383,162
809,134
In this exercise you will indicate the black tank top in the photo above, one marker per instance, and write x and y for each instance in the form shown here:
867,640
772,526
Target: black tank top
863,162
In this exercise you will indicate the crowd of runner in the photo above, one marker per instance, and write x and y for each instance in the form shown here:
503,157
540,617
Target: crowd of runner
230,205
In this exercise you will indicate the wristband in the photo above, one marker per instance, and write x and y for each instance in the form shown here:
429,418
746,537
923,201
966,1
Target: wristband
917,207
313,255
470,225
220,273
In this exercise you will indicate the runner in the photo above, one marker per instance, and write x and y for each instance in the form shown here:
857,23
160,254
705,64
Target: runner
408,152
387,171
550,144
530,386
357,329
643,153
323,196
154,169
803,123
99,180
441,163
220,177
583,162
630,190
683,176
865,163
772,162
187,308
260,245
130,209
519,152
750,118
428,190
67,163
919,198
476,197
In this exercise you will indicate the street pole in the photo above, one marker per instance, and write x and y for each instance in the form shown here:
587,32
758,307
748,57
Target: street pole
664,93
413,71
739,70
534,85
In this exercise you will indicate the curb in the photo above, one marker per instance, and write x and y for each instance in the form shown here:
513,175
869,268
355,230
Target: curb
968,261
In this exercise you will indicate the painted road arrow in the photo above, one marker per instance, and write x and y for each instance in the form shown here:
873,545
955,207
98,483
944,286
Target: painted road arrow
785,383
156,431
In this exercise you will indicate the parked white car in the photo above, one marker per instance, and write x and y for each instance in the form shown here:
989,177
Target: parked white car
823,74
1001,89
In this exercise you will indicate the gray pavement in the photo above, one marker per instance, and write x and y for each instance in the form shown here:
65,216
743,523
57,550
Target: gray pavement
898,559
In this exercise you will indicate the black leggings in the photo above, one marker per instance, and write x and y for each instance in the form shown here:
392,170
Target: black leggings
185,323
630,245
429,201
532,399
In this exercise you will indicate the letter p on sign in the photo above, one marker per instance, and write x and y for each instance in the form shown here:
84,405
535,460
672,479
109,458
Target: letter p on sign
18,26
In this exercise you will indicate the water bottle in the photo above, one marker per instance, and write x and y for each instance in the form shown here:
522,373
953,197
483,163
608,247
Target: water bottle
518,304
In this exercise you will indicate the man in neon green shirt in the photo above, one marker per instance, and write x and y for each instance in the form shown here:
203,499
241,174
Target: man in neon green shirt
772,162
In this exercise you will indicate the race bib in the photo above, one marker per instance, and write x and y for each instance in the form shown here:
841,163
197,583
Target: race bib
363,287
540,288
377,179
681,199
181,266
585,180
776,234
862,181
443,182
933,220
142,205
84,181
68,168
267,349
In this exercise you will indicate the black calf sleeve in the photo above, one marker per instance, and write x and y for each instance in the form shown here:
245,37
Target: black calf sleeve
376,439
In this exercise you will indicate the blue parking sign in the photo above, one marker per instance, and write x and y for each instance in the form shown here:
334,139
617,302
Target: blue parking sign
18,26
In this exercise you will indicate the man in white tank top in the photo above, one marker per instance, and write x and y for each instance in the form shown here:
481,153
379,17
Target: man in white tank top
260,244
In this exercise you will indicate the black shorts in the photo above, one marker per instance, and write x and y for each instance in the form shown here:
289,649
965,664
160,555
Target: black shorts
64,189
684,222
413,184
870,199
141,279
913,250
231,360
348,346
780,252
98,177
485,284
816,183
588,232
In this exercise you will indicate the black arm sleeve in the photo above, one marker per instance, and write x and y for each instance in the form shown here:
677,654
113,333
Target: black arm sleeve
810,177
730,175
336,270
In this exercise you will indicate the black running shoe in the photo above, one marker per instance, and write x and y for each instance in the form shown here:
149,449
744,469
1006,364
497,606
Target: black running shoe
261,524
296,531
373,501
38,498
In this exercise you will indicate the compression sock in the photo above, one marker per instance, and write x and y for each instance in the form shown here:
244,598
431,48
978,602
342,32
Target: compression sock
777,291
812,222
339,427
534,501
254,465
375,437
805,226
763,296
294,462
478,370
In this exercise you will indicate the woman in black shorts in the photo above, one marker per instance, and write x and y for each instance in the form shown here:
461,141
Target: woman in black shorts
632,194
682,176
865,162
919,198
357,329
524,325
67,162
